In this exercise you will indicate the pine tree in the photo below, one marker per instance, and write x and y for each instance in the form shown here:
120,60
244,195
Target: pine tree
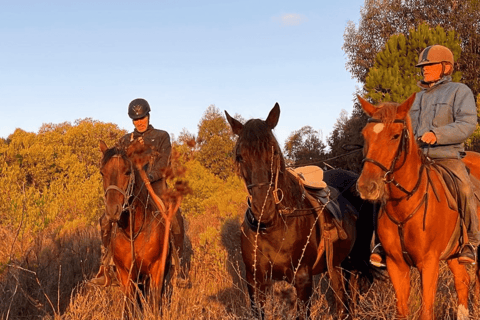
394,76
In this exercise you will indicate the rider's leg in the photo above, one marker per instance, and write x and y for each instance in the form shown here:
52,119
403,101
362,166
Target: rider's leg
467,208
377,256
103,276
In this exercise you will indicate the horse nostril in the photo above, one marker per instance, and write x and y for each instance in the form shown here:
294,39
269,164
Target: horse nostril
373,187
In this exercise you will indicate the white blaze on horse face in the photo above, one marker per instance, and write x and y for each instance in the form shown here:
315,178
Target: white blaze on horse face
378,127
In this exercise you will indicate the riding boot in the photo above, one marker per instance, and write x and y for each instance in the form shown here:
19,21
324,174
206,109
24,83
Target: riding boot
377,257
104,275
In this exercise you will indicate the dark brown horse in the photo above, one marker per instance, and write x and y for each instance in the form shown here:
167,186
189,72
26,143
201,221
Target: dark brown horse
283,237
416,226
139,241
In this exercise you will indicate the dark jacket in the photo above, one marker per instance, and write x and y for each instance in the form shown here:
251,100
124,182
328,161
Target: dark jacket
160,140
448,110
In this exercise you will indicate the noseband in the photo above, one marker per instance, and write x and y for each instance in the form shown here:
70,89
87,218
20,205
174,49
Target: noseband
275,160
403,148
126,193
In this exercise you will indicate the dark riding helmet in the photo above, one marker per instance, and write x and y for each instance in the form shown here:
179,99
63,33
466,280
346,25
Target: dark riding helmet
138,108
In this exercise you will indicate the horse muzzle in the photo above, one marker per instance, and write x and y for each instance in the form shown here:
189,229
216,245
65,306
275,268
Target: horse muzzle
370,190
113,212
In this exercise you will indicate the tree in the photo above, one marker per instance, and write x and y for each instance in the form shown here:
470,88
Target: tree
304,146
215,142
379,20
394,76
473,143
345,141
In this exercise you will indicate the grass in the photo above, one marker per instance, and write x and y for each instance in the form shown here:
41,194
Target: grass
46,278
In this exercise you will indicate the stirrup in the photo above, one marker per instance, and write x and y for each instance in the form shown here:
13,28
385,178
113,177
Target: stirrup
466,259
377,256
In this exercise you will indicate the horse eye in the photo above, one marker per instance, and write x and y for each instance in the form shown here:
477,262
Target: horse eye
239,158
395,137
128,173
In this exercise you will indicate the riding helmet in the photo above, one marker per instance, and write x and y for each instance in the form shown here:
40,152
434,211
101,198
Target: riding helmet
435,54
138,109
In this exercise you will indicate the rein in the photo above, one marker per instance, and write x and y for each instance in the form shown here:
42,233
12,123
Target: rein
403,148
126,193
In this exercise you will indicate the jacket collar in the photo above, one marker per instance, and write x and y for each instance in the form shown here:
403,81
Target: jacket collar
429,86
150,127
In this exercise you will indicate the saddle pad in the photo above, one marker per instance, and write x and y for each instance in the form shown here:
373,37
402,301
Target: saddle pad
311,176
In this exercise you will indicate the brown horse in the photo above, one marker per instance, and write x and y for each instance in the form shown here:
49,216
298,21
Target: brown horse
283,237
139,241
416,225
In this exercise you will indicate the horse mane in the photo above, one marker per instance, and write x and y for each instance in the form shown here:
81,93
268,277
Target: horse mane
386,112
111,152
257,140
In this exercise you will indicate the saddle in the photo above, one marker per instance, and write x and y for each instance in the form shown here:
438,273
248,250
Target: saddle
318,192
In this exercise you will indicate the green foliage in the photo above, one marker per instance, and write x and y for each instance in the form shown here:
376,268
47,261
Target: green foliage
379,20
50,180
304,146
216,143
394,76
473,143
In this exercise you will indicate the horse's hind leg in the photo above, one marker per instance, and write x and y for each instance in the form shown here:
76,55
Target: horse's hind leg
336,278
462,283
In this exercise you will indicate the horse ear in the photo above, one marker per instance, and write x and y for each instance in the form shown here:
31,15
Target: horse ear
236,125
367,107
404,108
103,146
273,116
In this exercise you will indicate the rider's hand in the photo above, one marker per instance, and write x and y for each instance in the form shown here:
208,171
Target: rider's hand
141,140
429,137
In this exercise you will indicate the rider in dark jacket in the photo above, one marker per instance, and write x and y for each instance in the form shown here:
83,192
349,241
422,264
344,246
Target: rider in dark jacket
139,112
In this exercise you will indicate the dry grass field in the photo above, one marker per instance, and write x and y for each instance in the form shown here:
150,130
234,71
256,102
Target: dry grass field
48,280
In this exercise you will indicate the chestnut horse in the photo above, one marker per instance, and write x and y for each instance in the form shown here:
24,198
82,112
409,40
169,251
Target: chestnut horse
139,241
416,226
282,232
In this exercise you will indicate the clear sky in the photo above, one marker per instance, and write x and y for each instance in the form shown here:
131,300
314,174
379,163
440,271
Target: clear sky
62,60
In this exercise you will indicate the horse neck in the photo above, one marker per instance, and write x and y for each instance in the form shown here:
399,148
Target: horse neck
292,191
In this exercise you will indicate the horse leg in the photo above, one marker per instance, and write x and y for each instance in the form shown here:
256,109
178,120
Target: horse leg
462,282
429,275
336,278
303,286
399,273
256,292
128,291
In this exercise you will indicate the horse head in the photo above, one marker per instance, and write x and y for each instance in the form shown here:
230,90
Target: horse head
118,181
259,161
388,139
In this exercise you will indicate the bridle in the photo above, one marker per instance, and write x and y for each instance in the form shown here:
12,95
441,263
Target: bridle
128,192
403,148
275,163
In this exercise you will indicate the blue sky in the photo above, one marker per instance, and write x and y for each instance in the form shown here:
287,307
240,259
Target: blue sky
66,60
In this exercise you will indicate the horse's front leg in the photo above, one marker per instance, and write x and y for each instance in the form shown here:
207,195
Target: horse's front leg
303,285
257,294
429,275
399,273
128,287
462,282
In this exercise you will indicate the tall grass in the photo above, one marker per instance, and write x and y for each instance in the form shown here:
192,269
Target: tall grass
48,280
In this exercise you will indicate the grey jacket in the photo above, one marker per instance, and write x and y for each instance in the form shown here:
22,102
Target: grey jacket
448,110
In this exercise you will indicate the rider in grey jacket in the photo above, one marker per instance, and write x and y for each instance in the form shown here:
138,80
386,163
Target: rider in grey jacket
443,116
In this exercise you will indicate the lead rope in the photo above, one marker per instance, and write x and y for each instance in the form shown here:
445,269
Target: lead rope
258,226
